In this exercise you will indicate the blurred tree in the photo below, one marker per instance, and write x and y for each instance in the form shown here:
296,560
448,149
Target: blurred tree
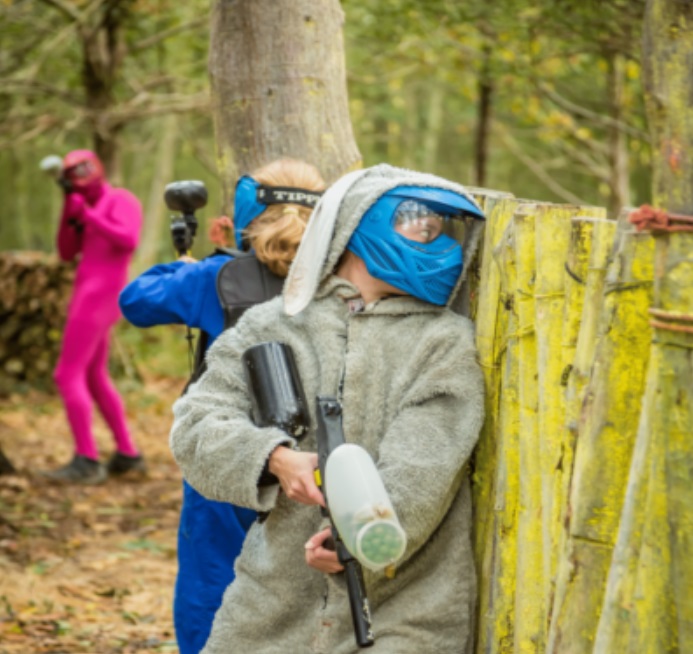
539,98
553,83
73,71
73,65
607,36
279,87
667,49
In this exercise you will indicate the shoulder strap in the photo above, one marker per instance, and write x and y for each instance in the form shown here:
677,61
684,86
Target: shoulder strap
199,365
232,252
242,283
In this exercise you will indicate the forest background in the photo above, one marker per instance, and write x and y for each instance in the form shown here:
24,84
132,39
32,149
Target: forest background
542,99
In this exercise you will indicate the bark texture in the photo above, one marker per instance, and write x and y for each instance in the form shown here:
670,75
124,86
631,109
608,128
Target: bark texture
279,86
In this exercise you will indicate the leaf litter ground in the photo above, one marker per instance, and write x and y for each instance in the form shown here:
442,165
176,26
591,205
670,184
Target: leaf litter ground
87,569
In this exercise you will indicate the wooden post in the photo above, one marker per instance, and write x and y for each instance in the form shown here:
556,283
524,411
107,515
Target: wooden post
648,605
529,606
490,319
496,460
608,422
593,300
591,240
553,230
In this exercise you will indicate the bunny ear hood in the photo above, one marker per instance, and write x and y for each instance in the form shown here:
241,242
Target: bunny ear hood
337,215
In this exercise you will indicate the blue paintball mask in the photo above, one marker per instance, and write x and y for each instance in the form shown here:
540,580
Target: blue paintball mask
401,240
252,198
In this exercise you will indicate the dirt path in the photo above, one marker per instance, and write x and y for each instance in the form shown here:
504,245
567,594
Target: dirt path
87,569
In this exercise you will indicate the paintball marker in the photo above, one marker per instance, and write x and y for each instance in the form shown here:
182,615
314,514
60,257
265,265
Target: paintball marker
331,437
365,529
185,197
52,165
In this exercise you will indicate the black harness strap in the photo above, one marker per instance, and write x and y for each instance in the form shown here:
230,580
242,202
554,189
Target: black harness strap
242,282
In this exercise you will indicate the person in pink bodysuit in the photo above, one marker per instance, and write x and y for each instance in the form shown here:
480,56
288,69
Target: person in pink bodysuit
100,225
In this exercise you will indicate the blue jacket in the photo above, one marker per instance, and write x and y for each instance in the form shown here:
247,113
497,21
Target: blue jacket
211,534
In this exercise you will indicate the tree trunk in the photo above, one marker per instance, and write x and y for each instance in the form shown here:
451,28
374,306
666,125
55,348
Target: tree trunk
279,86
483,124
435,120
667,53
103,50
619,183
155,209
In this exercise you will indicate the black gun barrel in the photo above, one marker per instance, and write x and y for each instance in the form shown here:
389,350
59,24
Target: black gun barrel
278,400
329,436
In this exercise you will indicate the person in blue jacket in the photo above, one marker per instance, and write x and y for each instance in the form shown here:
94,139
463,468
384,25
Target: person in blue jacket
271,208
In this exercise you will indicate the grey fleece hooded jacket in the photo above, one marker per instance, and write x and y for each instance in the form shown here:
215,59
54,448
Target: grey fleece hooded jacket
412,394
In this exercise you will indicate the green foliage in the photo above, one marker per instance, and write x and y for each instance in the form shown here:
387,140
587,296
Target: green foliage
147,58
415,71
162,351
547,63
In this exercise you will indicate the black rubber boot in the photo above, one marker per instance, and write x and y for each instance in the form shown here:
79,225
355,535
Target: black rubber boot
80,470
120,464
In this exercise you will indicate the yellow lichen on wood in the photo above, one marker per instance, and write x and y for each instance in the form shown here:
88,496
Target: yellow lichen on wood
610,411
593,299
591,242
674,301
576,269
553,229
606,432
529,608
490,320
499,549
648,605
613,630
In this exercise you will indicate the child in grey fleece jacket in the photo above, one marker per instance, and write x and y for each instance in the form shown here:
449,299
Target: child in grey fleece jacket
365,310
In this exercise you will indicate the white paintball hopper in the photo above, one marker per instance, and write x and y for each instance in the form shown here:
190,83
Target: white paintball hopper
361,509
52,164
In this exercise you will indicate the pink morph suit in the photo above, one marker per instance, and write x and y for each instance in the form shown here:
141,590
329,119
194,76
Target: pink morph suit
102,224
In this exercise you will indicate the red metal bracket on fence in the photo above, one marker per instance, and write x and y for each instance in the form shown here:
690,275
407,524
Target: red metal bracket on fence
658,220
671,321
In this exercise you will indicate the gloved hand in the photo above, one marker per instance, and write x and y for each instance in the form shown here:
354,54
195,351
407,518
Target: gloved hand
65,184
74,210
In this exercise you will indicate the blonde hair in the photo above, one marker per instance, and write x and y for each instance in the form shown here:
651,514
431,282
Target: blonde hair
276,233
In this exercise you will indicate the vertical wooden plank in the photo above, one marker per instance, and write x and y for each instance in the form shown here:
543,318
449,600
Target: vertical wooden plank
553,231
490,320
602,244
591,242
529,615
496,462
608,423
